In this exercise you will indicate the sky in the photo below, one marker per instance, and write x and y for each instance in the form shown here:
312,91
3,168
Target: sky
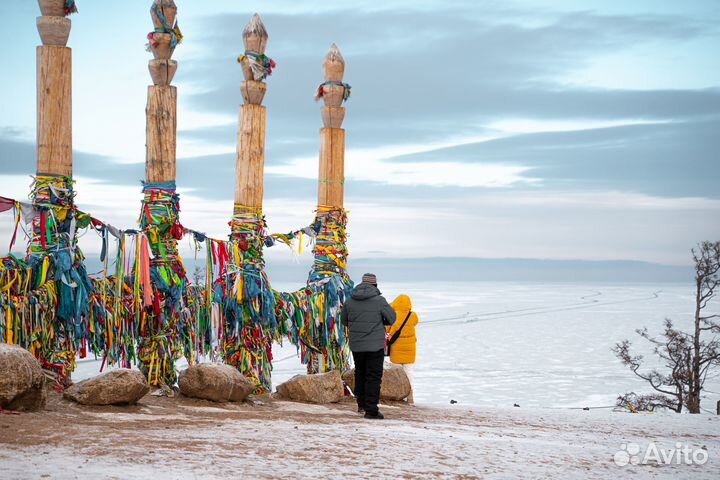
554,129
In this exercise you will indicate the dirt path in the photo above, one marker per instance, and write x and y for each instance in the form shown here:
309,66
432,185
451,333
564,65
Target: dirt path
185,438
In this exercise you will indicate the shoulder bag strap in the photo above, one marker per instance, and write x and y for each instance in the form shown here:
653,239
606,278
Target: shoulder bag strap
397,333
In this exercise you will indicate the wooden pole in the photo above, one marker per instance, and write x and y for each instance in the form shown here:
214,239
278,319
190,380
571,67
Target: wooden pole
243,335
160,132
332,167
54,92
160,333
331,178
250,155
53,183
161,110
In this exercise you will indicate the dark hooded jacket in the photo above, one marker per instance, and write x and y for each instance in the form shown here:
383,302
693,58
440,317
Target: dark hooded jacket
366,313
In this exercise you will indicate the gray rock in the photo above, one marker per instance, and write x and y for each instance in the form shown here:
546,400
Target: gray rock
22,382
116,387
316,388
395,384
216,382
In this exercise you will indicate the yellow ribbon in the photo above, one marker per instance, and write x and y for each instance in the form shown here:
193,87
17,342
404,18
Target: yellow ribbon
45,267
7,287
8,326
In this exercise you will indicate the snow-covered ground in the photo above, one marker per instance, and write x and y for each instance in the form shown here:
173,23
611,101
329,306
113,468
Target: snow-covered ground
184,439
537,345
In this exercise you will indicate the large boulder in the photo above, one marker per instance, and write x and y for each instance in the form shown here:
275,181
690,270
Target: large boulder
22,382
395,383
315,388
216,382
116,387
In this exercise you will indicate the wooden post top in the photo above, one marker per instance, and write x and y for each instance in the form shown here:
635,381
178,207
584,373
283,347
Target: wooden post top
167,9
334,65
163,40
256,66
333,91
255,36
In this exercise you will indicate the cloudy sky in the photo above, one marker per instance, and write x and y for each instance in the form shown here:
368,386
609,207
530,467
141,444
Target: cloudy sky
550,129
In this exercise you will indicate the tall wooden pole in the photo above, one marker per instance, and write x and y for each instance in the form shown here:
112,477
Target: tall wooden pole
161,111
329,270
250,304
54,91
161,324
53,246
250,155
332,136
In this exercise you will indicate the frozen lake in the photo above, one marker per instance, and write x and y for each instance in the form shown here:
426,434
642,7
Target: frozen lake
537,345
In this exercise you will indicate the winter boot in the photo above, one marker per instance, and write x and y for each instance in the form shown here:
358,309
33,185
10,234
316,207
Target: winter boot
375,416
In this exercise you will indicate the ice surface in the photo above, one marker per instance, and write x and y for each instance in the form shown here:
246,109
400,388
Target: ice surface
537,345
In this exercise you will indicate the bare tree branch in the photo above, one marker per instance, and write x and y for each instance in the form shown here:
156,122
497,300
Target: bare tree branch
687,358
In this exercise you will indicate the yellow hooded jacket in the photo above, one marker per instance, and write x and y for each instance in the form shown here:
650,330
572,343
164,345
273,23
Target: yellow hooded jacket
404,348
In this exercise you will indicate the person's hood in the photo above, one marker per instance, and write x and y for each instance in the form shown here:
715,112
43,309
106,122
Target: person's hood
402,304
363,291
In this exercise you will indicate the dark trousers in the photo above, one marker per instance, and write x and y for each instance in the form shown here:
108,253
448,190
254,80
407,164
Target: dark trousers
368,377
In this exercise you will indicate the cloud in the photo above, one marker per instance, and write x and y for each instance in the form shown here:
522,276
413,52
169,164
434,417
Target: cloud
539,224
468,70
369,165
669,159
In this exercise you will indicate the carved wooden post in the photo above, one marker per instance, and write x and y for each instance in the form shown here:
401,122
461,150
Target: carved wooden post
329,274
162,97
161,321
53,245
249,301
54,91
332,136
250,157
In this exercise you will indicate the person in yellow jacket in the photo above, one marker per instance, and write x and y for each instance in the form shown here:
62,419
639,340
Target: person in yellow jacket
403,350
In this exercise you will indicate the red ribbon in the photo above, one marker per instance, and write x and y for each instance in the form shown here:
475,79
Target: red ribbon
43,225
6,204
17,223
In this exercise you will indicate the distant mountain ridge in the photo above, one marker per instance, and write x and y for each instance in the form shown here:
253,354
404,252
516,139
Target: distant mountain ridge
473,269
504,269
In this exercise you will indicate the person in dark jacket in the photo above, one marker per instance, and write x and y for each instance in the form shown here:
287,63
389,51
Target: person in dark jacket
366,313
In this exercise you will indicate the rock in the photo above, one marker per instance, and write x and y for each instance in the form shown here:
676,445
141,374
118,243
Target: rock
165,391
22,382
315,388
395,384
116,387
216,382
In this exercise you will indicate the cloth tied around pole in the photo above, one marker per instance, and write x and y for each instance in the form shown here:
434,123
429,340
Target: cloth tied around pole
260,64
176,35
346,92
